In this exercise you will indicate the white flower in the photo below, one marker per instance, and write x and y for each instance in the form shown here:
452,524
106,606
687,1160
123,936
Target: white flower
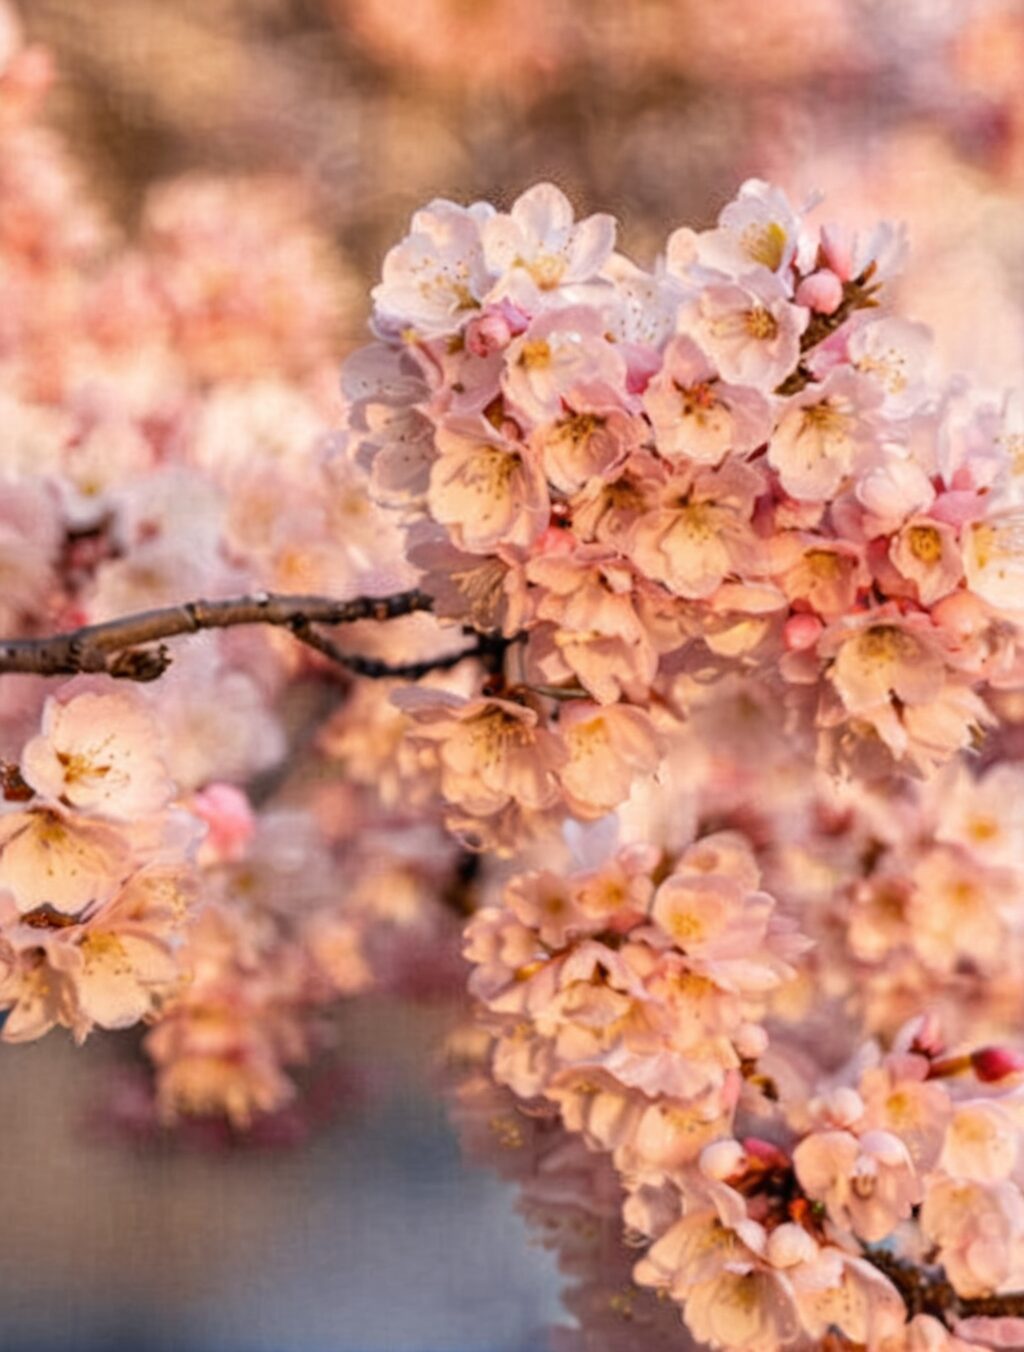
487,492
994,561
50,858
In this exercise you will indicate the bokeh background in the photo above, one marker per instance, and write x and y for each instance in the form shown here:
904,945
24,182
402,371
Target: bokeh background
374,1234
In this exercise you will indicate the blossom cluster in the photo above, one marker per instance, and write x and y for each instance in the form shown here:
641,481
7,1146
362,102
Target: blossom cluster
633,995
737,461
97,867
775,1202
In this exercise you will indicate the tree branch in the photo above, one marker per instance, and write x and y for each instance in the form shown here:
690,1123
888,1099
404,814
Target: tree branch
119,647
931,1292
484,649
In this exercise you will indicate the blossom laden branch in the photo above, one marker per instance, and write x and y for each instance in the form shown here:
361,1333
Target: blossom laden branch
132,647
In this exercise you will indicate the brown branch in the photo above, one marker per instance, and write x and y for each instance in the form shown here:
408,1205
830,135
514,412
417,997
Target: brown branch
484,649
931,1292
119,647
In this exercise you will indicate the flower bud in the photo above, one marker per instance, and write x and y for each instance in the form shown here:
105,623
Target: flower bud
487,334
996,1063
790,1245
821,292
722,1160
801,632
840,1108
751,1041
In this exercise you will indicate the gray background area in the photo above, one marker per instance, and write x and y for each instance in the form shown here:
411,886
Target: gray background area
374,1236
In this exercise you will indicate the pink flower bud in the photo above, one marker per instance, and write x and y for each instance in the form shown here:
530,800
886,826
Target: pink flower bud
642,363
837,245
961,613
821,292
840,1108
801,632
996,1063
488,334
230,819
766,1154
957,507
927,1037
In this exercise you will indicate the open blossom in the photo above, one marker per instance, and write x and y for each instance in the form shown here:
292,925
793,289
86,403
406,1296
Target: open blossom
821,435
984,813
893,354
758,229
599,635
487,493
697,415
882,659
978,1229
99,753
593,438
607,748
982,1143
994,560
699,533
750,329
110,961
538,241
50,857
437,275
927,553
563,350
492,752
867,1184
825,574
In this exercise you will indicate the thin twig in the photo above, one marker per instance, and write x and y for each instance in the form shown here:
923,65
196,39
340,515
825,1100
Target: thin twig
377,669
119,647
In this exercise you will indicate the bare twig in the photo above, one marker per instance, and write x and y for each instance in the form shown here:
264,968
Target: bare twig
380,670
132,647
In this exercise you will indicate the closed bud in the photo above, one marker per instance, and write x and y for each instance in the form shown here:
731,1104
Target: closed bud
996,1063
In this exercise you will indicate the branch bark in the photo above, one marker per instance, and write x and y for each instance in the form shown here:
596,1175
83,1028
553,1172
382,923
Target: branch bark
133,648
931,1292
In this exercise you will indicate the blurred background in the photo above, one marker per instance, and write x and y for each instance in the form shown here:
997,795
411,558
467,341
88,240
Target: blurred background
373,1233
653,109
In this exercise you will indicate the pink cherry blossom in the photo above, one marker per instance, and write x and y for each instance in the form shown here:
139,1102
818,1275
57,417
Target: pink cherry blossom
99,753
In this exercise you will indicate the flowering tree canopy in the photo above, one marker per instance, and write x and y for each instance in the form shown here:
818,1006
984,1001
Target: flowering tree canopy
661,629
